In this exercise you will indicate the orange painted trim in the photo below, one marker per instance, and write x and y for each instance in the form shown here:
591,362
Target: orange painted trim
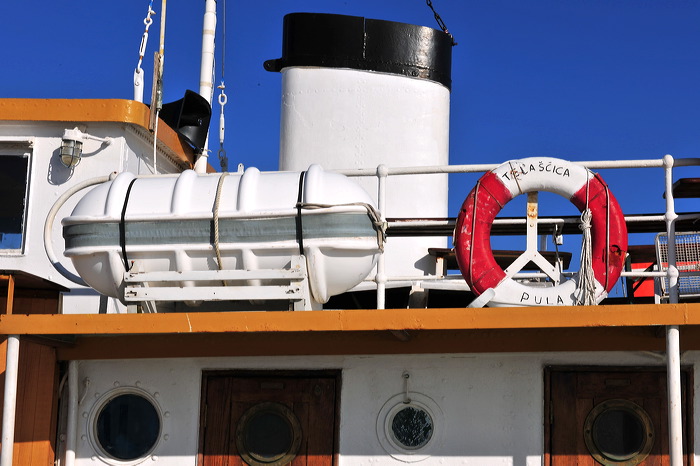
354,320
10,292
94,110
380,342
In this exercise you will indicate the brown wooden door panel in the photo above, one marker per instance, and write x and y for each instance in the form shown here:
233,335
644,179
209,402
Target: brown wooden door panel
573,393
228,397
217,440
37,403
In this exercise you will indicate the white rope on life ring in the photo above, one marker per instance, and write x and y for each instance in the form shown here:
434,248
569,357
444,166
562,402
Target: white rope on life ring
495,189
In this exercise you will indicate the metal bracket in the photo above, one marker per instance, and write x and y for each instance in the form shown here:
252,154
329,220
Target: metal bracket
208,285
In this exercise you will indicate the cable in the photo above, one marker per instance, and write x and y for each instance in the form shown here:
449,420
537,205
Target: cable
51,217
223,159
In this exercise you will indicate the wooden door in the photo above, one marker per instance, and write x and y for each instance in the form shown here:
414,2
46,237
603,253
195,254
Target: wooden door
610,417
268,419
37,403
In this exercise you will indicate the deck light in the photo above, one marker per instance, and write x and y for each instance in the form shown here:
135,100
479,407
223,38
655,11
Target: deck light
72,146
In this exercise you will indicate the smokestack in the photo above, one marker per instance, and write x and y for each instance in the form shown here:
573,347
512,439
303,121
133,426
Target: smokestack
357,93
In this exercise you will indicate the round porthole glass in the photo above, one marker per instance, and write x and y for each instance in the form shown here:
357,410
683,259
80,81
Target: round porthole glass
412,427
619,432
127,427
268,434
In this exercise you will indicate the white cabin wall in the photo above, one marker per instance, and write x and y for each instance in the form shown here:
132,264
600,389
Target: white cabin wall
49,179
485,420
492,404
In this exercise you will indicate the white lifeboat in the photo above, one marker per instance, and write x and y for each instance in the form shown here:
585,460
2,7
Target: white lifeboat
168,223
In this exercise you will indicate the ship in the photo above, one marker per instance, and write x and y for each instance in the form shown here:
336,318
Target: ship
334,312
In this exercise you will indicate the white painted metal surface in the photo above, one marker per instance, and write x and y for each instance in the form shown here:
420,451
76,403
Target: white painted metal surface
347,119
491,404
292,285
170,219
673,347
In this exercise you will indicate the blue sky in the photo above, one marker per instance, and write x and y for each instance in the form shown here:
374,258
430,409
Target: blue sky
573,79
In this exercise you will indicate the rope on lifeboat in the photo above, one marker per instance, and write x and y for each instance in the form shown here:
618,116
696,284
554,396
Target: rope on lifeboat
217,201
378,225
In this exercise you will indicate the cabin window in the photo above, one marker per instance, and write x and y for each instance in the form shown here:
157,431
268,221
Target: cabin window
127,427
269,434
618,431
13,192
412,427
409,426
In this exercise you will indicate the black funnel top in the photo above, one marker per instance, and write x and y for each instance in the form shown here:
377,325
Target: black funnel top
338,41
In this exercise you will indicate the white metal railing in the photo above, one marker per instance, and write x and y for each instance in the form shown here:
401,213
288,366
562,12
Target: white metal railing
669,217
687,261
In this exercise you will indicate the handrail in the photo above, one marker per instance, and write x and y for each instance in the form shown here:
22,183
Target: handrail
652,223
479,168
508,226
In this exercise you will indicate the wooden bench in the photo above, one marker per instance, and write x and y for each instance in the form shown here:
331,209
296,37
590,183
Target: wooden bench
686,188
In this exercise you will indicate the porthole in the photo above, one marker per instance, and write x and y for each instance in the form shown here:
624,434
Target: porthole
409,429
268,434
126,427
618,432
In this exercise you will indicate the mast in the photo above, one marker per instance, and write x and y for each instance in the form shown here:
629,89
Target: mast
206,76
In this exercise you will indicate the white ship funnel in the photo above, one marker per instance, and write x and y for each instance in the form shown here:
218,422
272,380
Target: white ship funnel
357,93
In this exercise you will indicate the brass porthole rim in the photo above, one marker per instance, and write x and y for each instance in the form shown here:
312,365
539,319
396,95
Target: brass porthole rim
285,413
101,403
630,407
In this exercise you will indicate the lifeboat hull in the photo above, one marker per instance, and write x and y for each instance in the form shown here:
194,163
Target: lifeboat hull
164,223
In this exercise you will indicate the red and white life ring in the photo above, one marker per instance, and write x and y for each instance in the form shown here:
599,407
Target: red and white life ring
497,187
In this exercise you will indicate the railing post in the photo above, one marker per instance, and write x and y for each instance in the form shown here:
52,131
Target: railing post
10,401
73,401
380,277
673,358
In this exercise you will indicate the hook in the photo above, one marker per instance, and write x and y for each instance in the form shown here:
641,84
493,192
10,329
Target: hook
406,376
86,385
